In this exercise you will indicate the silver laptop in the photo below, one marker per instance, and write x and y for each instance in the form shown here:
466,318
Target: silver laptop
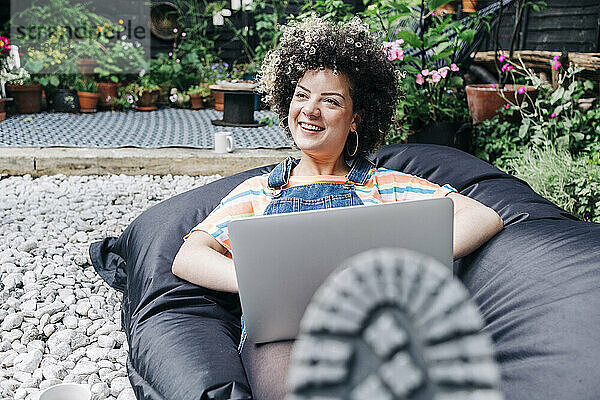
282,259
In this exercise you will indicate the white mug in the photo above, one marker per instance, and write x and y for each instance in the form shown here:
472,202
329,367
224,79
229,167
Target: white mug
223,142
66,391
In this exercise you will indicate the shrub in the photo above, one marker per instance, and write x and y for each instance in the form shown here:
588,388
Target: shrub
571,183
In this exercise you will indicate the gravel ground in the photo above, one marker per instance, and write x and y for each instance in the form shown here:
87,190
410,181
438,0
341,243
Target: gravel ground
59,321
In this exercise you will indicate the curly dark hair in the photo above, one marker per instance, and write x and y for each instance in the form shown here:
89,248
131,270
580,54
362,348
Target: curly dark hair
347,48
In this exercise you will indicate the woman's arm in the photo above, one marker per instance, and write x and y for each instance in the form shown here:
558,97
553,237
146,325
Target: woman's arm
474,224
201,260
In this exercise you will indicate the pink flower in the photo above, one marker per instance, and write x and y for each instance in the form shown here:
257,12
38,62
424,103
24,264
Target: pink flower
555,58
183,34
504,67
178,60
494,86
399,54
393,50
521,90
170,53
420,80
454,67
556,65
553,115
507,106
502,58
425,72
443,72
510,67
436,77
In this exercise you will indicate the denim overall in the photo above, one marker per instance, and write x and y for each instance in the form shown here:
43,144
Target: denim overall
316,196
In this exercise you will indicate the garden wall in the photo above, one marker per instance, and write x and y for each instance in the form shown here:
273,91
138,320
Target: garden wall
572,26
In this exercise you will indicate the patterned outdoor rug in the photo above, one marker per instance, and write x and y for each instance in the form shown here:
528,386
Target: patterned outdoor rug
167,127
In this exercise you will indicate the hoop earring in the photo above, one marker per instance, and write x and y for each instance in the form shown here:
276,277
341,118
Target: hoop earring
355,148
280,124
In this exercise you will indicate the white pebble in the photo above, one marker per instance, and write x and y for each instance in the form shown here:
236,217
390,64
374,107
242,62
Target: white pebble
12,321
70,321
106,341
30,362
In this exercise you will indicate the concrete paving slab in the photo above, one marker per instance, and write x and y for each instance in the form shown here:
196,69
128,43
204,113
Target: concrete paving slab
38,161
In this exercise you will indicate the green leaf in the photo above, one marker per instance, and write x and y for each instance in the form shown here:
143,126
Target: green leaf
524,128
557,95
410,69
400,7
34,66
558,109
563,141
588,85
439,56
578,135
54,80
433,4
442,46
411,38
468,35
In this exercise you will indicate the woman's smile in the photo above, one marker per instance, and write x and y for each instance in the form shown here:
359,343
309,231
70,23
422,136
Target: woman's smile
310,128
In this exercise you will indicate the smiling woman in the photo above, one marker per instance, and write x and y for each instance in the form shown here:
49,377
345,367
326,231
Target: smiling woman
334,91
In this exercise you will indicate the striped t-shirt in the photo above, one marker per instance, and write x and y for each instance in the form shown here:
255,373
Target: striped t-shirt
252,196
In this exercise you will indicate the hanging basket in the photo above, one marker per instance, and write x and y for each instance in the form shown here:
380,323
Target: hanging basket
164,20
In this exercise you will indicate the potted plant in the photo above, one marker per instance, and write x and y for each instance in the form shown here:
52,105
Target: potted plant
198,94
143,94
26,92
87,53
485,100
119,58
432,107
4,55
87,90
218,74
178,98
54,69
108,82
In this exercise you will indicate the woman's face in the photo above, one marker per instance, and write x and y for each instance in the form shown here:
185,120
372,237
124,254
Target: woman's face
320,114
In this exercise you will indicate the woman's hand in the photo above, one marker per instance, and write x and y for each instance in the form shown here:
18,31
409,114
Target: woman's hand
474,224
201,260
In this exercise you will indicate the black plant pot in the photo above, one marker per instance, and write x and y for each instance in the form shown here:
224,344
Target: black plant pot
445,133
65,100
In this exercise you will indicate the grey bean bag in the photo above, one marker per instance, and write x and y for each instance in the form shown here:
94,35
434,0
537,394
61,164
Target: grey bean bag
537,284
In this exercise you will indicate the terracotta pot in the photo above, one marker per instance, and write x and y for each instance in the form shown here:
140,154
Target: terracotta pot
147,101
219,99
27,97
196,101
2,113
107,92
485,101
469,6
86,66
88,101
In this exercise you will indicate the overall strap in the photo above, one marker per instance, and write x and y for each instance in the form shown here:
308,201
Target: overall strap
359,172
279,176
